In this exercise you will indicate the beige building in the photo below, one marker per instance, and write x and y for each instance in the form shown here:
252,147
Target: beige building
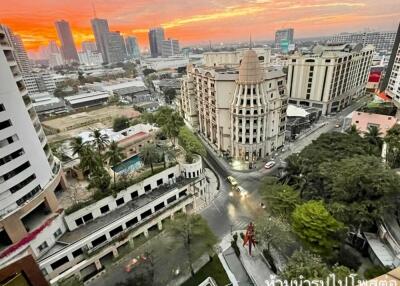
240,112
330,77
233,58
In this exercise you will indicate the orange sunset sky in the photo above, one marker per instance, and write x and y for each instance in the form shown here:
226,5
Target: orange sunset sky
198,21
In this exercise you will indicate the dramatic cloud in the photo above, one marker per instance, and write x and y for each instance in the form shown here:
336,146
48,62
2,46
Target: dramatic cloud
199,21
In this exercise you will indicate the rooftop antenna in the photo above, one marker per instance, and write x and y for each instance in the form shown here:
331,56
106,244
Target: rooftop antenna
209,42
251,43
94,10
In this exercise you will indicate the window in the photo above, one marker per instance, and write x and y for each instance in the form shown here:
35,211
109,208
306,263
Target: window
104,209
2,107
120,201
57,233
59,262
99,240
77,252
11,156
22,184
171,199
88,217
43,246
145,214
14,172
116,230
79,221
159,206
182,193
134,195
159,182
147,188
131,222
5,124
170,176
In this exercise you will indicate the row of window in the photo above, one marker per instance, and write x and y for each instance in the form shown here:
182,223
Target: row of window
7,141
14,172
11,156
103,238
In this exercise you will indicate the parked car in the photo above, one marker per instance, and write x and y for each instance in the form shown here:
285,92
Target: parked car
269,164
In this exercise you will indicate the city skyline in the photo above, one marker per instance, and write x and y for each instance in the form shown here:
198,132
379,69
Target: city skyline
194,23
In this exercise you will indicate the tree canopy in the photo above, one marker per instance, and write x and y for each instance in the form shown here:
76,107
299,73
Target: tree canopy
316,227
190,142
120,123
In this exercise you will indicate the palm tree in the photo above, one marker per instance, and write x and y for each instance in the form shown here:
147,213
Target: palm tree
77,145
149,154
353,130
100,141
90,161
172,126
373,136
114,155
166,153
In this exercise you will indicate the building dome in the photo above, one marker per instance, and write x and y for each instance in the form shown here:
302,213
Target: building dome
250,70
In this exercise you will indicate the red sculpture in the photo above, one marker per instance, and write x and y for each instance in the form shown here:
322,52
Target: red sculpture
250,237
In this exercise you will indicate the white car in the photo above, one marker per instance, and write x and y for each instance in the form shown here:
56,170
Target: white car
269,165
243,193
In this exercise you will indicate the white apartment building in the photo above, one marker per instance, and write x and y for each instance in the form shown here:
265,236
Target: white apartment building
29,173
90,58
39,82
241,112
382,41
330,77
170,48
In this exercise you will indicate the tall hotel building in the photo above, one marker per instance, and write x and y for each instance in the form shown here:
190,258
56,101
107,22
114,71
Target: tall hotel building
29,174
382,41
239,111
329,77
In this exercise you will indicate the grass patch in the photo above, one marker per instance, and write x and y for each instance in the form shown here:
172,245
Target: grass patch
212,269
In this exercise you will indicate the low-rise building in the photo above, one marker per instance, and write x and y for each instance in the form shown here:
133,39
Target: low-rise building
46,104
39,82
173,62
87,99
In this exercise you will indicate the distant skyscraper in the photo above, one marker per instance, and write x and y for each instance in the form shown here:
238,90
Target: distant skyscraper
132,47
116,51
100,31
68,48
53,47
170,47
283,37
156,37
19,51
89,46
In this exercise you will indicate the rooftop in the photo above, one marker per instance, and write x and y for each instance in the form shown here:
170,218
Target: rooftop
131,206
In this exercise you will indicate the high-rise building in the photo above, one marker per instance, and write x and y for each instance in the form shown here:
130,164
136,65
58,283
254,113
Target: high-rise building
391,81
284,38
100,31
19,51
68,48
53,54
53,47
29,173
382,41
240,112
156,38
89,46
116,50
170,47
132,47
330,77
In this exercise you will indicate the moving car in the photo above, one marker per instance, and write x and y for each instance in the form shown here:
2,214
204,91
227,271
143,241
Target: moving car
232,181
269,164
243,193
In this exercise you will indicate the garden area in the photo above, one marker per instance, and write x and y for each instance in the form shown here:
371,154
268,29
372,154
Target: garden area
332,191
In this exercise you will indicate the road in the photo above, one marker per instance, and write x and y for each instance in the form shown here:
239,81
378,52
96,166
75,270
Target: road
225,213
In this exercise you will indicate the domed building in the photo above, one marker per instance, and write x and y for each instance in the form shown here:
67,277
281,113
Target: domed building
240,110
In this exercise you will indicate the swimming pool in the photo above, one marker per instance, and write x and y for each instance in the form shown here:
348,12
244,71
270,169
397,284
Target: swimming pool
129,165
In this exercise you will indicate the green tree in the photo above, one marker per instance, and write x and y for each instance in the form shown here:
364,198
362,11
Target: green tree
100,179
190,142
304,265
114,155
100,141
360,189
170,95
150,155
273,231
392,140
90,161
373,136
77,145
353,130
120,123
147,72
172,126
195,235
281,199
316,227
